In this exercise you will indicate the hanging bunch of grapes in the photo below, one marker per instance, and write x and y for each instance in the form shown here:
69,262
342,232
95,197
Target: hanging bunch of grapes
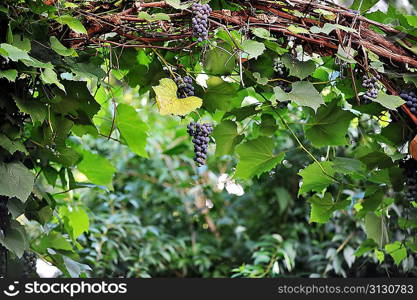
410,170
411,100
371,84
201,138
185,86
201,12
282,73
28,262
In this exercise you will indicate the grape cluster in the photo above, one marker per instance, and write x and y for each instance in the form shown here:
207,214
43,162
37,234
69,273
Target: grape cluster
185,86
410,169
282,72
28,262
411,101
371,84
201,138
201,13
279,68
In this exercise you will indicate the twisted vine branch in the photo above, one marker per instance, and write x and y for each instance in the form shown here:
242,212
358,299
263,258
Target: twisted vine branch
279,18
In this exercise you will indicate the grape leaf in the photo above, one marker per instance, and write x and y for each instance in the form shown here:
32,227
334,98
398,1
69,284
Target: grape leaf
220,61
256,157
323,208
72,23
330,126
253,48
376,229
227,137
61,49
15,239
16,180
75,220
98,169
11,146
397,251
303,93
35,109
363,5
133,130
262,33
10,75
14,53
219,94
297,68
169,104
314,179
389,101
49,76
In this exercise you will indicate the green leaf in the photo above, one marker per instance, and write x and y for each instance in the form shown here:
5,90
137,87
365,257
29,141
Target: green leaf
10,75
397,251
35,109
262,33
16,180
15,239
219,94
132,128
177,4
329,27
256,157
314,179
297,68
253,48
323,208
72,23
14,53
61,49
298,29
347,54
376,229
75,220
227,138
363,5
389,101
330,126
268,124
97,169
303,93
348,165
54,240
21,42
11,146
49,76
220,60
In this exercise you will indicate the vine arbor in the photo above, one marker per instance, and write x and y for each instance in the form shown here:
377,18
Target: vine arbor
332,78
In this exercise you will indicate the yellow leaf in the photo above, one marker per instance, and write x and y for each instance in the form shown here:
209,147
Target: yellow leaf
169,104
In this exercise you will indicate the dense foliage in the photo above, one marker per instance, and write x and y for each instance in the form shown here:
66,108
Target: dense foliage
308,106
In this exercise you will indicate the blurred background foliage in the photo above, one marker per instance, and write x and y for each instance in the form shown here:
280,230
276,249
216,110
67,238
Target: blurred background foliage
163,217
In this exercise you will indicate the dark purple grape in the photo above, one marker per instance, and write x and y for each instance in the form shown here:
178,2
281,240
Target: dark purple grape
411,100
371,84
201,139
199,21
410,170
185,87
